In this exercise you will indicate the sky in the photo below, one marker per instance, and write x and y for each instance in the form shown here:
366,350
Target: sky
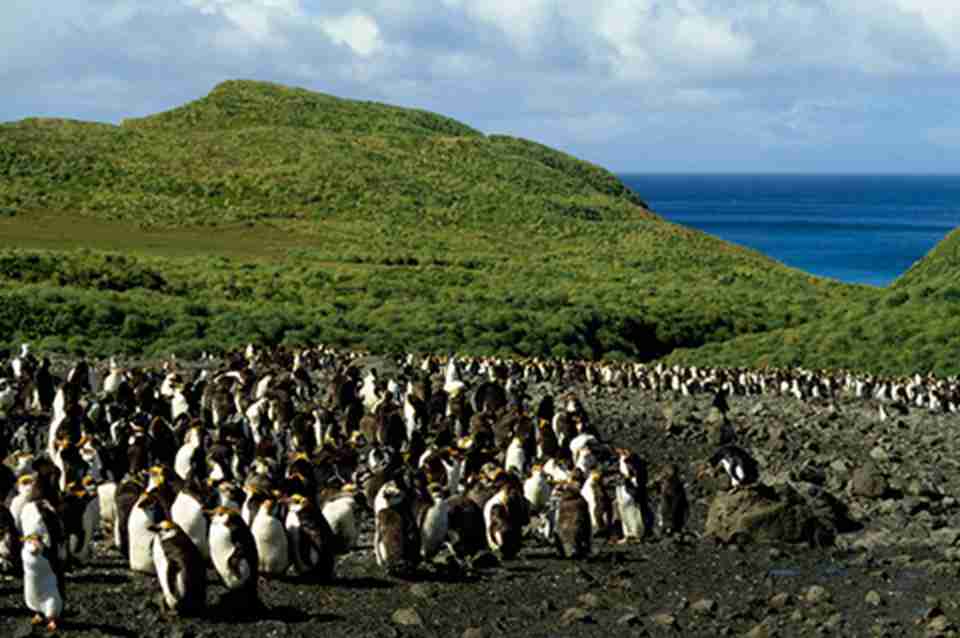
648,86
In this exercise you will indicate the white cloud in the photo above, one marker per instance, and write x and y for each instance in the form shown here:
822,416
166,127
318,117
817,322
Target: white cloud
356,30
604,78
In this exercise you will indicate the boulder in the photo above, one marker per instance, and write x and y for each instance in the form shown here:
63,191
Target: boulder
868,482
781,513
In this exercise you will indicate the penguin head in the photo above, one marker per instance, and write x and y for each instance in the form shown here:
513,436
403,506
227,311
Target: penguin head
298,502
33,544
27,484
165,529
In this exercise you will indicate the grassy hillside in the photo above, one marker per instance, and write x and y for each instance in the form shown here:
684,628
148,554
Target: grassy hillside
277,214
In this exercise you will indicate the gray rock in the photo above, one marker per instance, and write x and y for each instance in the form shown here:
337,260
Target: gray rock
474,632
817,594
576,615
873,598
664,620
705,606
589,600
769,514
407,616
780,601
630,620
868,482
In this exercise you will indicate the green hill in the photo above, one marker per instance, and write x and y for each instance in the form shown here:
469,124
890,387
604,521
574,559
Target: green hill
283,215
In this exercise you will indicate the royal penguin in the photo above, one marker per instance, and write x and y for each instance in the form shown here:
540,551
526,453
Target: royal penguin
738,464
572,529
270,536
505,514
341,511
516,457
396,540
312,542
10,544
233,552
39,518
595,493
180,570
187,512
674,509
434,521
537,489
633,503
125,497
145,515
81,518
191,459
43,581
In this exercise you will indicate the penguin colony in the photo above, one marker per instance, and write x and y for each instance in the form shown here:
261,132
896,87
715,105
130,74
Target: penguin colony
264,463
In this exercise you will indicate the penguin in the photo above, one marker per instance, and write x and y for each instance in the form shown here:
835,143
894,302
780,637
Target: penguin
434,521
271,539
674,508
39,518
190,460
598,500
738,464
516,457
465,526
43,581
504,515
180,569
340,511
187,512
396,539
312,542
146,514
10,544
633,505
125,498
537,489
81,518
233,552
573,533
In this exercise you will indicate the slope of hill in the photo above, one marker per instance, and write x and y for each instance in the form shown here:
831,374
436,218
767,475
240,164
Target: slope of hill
318,218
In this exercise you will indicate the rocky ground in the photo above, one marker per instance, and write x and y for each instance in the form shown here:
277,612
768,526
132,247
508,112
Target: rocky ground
897,573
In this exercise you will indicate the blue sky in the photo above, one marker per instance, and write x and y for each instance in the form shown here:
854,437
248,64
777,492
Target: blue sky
831,86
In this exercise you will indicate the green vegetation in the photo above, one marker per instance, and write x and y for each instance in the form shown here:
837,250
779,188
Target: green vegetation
273,214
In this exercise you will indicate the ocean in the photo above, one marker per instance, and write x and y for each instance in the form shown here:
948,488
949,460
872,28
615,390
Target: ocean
857,229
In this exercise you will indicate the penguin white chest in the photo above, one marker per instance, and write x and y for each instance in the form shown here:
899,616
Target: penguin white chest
40,589
141,539
631,513
187,512
434,529
172,591
272,546
340,516
221,551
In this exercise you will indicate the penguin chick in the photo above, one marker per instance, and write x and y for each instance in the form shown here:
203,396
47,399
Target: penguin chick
573,533
674,509
180,569
43,581
505,514
738,464
311,539
271,539
233,552
396,539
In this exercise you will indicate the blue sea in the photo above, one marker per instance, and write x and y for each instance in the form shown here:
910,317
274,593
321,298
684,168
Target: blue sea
858,229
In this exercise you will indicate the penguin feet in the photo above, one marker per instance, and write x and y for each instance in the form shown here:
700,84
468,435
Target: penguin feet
52,626
37,620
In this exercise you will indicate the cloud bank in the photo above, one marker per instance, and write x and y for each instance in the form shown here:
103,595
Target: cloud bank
638,85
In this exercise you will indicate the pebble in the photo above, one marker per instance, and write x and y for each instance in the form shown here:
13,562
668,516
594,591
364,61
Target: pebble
705,606
781,600
576,615
473,632
817,594
407,616
589,600
873,598
664,620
